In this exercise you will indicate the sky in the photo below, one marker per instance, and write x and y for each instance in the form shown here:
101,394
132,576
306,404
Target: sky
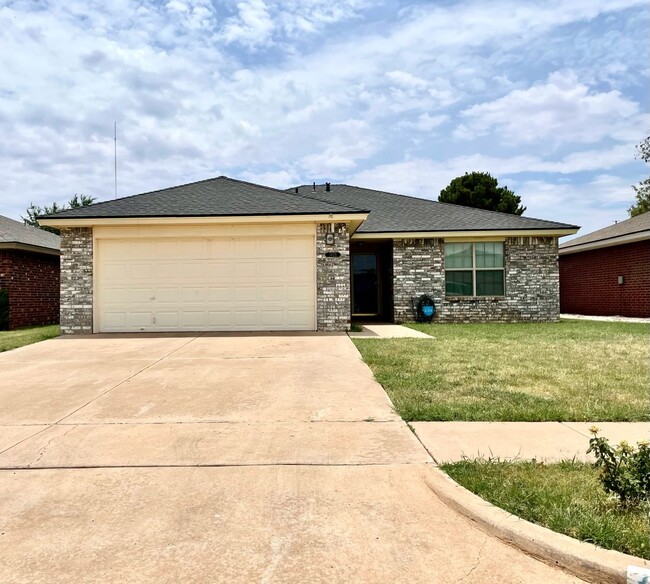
550,97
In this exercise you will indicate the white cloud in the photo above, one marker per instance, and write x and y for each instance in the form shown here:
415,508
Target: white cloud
252,26
270,86
562,110
425,122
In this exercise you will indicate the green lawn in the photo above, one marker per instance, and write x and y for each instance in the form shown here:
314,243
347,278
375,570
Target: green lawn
566,497
567,371
27,336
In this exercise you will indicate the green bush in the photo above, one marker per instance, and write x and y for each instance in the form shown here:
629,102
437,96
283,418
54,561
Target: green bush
624,470
4,310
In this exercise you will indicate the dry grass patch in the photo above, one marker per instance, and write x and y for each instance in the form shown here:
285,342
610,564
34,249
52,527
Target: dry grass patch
567,371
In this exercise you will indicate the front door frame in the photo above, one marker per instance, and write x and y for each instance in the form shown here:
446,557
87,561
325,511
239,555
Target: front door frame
383,251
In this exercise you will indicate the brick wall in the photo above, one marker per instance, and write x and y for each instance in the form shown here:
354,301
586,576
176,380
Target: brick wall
32,281
77,280
333,279
589,281
531,281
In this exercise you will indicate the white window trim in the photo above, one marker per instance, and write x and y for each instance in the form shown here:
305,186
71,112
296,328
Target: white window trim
475,269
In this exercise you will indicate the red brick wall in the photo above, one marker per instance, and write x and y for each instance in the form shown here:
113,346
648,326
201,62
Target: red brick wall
32,280
589,281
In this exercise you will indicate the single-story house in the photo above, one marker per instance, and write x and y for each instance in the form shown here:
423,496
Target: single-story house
29,275
227,255
607,272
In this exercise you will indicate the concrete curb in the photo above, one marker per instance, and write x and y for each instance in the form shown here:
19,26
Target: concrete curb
584,560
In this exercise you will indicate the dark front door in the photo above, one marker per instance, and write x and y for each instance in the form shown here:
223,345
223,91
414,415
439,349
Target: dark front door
365,287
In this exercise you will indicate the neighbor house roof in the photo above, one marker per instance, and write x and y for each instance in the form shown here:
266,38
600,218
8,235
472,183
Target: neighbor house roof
17,235
392,213
627,231
216,197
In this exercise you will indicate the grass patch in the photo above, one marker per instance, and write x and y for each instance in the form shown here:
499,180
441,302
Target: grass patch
567,371
566,497
27,336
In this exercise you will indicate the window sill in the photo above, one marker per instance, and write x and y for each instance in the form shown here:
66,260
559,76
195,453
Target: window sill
474,298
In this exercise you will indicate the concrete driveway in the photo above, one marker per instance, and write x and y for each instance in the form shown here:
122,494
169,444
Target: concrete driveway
232,458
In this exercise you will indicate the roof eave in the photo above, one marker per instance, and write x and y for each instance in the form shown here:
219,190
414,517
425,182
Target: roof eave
325,216
467,233
18,246
567,248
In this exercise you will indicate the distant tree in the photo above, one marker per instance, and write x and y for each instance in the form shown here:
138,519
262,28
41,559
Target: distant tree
34,211
81,201
481,190
642,190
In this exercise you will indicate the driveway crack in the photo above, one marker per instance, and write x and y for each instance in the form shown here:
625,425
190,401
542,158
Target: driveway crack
465,578
42,450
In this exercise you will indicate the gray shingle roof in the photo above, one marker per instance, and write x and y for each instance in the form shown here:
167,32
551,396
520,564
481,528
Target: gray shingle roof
401,213
16,232
628,227
221,196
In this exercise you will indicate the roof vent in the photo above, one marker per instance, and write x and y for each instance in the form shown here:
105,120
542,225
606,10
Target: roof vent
314,187
296,190
327,187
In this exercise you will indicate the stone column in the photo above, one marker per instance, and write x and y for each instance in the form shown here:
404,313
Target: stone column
333,278
77,280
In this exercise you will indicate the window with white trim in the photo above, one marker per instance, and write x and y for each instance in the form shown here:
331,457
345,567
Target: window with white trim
474,269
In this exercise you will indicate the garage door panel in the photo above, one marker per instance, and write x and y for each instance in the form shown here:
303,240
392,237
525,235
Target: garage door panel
297,268
167,295
219,283
165,271
299,247
220,294
219,270
245,269
244,294
192,295
299,294
167,319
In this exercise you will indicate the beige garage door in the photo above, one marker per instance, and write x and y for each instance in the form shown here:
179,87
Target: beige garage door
206,284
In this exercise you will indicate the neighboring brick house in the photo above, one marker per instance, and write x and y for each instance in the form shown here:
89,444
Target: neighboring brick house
29,273
227,255
607,272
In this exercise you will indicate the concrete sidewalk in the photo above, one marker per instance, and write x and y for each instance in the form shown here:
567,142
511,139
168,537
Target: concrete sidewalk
388,331
543,441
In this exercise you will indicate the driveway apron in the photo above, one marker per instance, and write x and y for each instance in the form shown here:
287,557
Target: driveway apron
221,458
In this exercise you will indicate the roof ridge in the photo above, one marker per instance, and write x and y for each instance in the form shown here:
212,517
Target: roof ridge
442,203
323,200
294,194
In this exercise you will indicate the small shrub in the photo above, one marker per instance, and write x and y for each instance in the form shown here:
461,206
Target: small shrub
624,470
4,310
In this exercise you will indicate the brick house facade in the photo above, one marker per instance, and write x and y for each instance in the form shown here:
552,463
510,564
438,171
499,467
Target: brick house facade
224,254
32,283
607,272
29,274
590,281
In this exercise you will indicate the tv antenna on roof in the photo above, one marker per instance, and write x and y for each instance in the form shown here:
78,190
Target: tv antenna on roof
115,154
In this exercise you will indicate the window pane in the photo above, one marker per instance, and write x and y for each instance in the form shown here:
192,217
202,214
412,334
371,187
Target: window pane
489,255
489,283
458,283
458,255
